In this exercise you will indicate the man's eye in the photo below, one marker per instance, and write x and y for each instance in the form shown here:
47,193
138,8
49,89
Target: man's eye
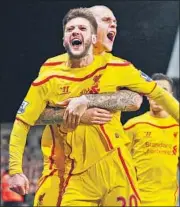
83,28
106,20
69,30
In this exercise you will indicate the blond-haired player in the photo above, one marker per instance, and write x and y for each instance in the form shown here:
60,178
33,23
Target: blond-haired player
52,149
155,149
103,141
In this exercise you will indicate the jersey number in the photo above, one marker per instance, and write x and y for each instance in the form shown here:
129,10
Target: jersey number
131,202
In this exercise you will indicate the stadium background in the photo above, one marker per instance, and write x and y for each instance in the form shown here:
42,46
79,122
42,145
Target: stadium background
148,36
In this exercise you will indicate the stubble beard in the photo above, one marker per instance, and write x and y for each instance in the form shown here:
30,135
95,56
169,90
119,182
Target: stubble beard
82,54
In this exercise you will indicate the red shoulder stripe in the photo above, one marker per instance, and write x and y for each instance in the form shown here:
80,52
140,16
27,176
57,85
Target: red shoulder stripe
52,63
22,121
79,79
161,127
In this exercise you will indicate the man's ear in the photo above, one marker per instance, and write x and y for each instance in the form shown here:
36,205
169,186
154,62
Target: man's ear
94,39
63,42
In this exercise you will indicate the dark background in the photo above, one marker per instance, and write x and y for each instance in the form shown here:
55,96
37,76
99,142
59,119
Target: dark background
32,32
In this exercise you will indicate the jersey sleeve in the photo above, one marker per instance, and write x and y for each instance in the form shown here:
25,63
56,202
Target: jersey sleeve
139,82
16,146
29,111
34,103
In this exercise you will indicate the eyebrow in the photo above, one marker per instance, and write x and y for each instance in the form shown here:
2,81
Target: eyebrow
81,25
165,88
107,17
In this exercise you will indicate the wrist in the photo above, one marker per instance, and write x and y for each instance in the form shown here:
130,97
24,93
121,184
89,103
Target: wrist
86,101
15,172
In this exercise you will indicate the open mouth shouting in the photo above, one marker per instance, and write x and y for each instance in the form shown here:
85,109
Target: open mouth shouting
111,36
76,43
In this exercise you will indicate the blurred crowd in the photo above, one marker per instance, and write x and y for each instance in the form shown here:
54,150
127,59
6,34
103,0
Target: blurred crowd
32,166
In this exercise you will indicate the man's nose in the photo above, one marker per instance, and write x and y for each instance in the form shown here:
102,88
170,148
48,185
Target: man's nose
113,24
75,32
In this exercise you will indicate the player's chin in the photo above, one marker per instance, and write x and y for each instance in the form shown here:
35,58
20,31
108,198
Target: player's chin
77,54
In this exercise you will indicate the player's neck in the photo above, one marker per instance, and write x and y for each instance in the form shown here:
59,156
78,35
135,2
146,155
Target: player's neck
98,50
159,114
81,62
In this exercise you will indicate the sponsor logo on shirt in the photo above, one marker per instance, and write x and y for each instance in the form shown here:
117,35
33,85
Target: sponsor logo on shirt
174,150
94,89
160,148
64,90
175,134
147,134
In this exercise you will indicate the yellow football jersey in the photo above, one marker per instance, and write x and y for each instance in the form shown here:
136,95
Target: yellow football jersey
155,149
87,144
52,62
50,134
52,148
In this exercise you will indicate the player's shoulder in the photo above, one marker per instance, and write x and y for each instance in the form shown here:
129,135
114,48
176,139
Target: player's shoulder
171,120
112,59
135,121
46,77
57,60
53,63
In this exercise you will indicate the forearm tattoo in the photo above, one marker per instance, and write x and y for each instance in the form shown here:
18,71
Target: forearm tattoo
123,100
51,115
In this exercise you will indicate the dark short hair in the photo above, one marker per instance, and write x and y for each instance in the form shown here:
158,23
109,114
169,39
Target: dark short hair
161,76
81,12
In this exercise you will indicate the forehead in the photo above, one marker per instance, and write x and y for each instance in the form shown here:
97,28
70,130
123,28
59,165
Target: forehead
102,12
78,21
164,84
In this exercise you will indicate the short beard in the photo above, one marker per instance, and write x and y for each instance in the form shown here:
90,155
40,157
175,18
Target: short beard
81,55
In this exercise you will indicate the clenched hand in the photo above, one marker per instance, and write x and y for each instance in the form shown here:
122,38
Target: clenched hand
19,184
74,110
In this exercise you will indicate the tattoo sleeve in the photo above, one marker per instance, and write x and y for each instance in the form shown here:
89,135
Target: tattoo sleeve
51,115
124,100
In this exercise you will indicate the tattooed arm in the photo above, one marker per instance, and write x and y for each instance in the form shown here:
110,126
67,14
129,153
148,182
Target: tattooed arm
123,100
76,107
51,115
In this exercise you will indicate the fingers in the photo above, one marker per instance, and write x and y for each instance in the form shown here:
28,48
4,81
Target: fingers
64,103
18,189
106,116
19,184
72,120
69,120
101,117
75,109
26,187
98,120
75,120
103,111
22,190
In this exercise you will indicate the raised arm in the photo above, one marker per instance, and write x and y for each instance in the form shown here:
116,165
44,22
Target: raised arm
124,100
